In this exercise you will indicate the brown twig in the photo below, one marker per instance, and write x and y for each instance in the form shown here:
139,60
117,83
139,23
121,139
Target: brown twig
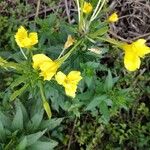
37,8
67,11
70,140
119,37
134,20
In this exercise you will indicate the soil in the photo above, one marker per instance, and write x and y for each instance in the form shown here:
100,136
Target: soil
134,20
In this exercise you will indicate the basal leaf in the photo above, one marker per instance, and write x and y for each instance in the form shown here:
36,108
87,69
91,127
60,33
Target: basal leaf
22,145
39,145
51,124
17,122
32,138
35,121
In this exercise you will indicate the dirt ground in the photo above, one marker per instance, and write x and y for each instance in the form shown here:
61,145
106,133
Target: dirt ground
134,21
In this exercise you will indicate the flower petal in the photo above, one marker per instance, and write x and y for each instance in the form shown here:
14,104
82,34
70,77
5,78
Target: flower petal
113,17
33,38
69,42
87,8
38,59
60,77
140,47
71,91
131,61
21,35
48,69
74,77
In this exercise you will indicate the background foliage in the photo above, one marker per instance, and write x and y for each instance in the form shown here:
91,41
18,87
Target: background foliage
111,110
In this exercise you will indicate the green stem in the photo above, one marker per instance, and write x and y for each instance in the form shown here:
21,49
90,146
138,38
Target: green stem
95,10
81,16
99,10
112,41
78,7
9,145
45,103
23,53
62,59
42,91
62,53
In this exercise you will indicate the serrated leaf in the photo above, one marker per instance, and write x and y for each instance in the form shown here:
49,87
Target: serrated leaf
95,102
104,111
89,81
51,124
35,121
32,138
17,122
18,92
39,145
22,145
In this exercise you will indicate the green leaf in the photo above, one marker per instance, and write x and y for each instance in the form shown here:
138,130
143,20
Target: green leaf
17,122
5,120
95,102
51,124
89,81
35,121
104,111
18,92
32,138
2,132
39,145
109,81
24,112
22,145
99,32
18,81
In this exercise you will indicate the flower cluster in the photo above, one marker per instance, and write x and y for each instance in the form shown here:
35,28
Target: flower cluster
47,66
133,53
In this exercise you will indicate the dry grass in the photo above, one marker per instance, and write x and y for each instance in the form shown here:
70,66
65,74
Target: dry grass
134,20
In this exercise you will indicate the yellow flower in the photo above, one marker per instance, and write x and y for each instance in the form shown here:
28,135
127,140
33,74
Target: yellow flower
24,39
140,47
131,61
69,42
133,52
69,82
113,17
38,59
47,66
87,7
